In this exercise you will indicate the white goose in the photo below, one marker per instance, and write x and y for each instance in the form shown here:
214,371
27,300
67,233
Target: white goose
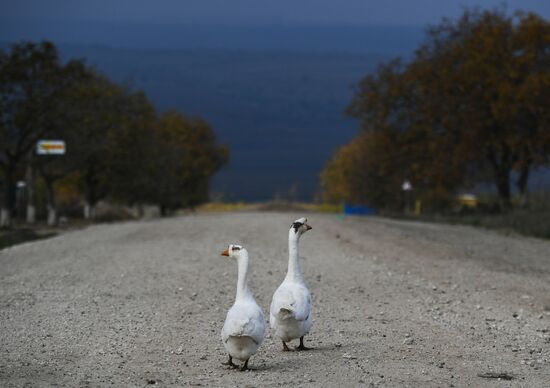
244,329
290,312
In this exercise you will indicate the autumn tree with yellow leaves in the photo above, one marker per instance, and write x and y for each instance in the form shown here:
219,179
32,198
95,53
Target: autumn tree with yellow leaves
472,105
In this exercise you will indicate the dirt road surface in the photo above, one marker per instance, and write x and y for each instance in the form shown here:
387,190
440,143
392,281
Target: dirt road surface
395,304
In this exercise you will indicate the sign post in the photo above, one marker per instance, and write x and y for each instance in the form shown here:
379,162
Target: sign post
47,147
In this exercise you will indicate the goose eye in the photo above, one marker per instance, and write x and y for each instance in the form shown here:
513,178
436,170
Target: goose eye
296,226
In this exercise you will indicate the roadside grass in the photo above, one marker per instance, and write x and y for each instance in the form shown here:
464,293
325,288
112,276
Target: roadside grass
525,222
533,221
222,207
284,206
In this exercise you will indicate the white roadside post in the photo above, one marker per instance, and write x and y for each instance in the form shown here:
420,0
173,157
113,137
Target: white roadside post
19,196
407,188
51,147
29,180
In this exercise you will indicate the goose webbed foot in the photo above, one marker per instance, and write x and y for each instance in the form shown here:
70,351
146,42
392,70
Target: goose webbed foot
285,348
301,346
230,363
244,366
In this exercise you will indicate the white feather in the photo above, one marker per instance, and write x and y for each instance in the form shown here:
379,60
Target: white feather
290,311
244,328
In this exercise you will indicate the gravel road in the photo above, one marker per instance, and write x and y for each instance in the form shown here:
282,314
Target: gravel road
395,304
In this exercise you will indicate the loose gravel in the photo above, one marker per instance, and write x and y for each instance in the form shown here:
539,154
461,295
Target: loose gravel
395,304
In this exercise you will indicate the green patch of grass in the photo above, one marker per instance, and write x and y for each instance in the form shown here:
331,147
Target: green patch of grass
10,237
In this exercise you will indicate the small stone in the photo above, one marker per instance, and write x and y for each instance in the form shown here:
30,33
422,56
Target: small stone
408,341
349,356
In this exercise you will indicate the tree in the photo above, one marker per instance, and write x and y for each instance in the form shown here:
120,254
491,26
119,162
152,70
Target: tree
406,146
131,151
166,161
474,99
31,79
97,108
187,156
363,172
484,83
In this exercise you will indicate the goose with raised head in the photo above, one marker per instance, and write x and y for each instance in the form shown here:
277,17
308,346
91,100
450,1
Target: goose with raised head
244,329
290,312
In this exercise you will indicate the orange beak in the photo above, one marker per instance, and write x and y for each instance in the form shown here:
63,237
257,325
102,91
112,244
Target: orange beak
225,252
308,227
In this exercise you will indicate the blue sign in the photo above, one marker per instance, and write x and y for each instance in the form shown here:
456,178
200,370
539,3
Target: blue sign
358,210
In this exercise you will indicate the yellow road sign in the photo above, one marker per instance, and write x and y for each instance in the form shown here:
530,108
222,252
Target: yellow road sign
50,147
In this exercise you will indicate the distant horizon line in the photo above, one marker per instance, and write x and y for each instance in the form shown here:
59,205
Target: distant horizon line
223,24
282,50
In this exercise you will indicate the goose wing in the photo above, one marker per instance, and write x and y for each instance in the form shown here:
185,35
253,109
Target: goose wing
244,320
291,300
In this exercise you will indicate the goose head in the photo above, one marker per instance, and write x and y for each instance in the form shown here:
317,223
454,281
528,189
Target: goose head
235,251
299,227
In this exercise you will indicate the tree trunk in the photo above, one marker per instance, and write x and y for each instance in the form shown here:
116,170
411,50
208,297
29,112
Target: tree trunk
503,187
50,199
8,197
5,217
89,211
86,213
502,168
31,210
522,181
52,215
91,194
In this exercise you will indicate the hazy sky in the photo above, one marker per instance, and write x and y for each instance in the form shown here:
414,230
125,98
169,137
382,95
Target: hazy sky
371,12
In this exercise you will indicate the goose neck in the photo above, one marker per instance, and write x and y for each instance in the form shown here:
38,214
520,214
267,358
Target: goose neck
294,269
242,280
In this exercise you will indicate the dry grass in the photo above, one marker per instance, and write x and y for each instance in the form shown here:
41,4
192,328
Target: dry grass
269,206
532,221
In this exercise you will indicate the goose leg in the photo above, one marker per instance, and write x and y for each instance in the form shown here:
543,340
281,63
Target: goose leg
230,363
302,347
285,348
245,366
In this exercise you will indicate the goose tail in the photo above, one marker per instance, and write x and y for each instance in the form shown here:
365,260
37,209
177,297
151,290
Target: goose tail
285,313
